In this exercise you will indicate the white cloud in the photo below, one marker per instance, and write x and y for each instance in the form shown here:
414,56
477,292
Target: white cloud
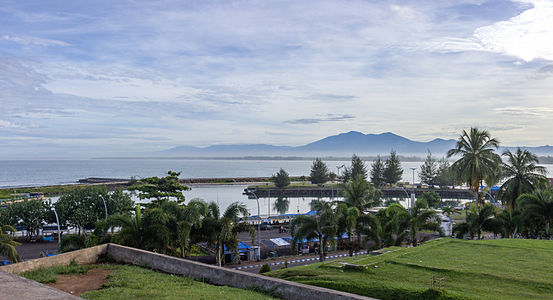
8,124
528,35
35,41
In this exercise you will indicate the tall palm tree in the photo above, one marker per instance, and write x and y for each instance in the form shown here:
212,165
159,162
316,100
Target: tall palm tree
539,205
523,175
321,226
7,244
478,163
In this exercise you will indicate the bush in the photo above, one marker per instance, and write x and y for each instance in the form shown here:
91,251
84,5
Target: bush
72,242
265,268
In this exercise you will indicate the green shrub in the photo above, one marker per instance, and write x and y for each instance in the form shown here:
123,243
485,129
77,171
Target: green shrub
72,242
265,268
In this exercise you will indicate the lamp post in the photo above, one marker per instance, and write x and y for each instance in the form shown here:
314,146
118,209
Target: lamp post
338,176
57,222
413,194
248,192
105,206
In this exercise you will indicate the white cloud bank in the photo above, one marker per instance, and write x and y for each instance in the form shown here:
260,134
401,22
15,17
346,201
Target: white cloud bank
528,35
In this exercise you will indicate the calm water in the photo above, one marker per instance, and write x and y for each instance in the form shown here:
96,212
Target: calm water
47,172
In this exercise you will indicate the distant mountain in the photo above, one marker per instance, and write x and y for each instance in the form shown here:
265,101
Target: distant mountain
343,144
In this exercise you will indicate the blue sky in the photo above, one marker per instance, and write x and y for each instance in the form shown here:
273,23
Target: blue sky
115,77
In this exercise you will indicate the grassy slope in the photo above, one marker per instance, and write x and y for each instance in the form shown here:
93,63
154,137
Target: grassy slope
494,269
131,282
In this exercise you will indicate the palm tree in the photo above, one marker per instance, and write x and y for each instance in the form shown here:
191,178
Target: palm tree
394,221
281,205
370,226
7,244
191,216
422,218
321,226
360,194
523,173
477,221
222,231
539,205
346,223
478,162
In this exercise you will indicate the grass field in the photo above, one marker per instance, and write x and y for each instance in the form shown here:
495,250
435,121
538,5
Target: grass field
131,282
491,269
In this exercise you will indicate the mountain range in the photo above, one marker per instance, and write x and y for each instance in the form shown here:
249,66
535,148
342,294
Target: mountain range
343,144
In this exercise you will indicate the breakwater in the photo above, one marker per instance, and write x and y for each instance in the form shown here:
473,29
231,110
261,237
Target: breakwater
328,192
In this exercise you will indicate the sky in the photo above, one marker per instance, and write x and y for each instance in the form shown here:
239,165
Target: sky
109,78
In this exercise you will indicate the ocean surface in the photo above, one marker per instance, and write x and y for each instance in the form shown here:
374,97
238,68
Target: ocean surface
14,173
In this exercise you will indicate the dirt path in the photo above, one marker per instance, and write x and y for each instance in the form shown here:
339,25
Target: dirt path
78,284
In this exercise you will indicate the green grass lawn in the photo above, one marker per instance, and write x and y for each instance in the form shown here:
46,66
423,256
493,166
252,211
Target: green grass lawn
131,282
492,269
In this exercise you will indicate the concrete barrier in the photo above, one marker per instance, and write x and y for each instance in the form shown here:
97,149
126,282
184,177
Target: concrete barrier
222,276
83,256
173,265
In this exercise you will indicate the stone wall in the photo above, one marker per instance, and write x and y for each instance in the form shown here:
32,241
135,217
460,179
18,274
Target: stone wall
222,276
83,256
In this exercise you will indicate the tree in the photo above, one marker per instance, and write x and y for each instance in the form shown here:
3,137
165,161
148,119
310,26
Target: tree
358,167
429,170
161,189
82,208
523,175
478,162
7,244
432,198
281,179
444,177
30,214
422,218
321,226
222,231
377,172
145,230
370,226
538,205
394,221
360,194
319,172
477,221
281,205
346,223
392,169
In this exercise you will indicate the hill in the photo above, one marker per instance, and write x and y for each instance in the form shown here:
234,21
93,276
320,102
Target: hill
489,269
340,145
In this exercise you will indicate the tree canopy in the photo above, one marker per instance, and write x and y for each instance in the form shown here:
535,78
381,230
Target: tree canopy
319,172
392,170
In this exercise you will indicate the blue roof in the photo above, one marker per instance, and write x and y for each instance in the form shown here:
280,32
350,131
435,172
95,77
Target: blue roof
311,213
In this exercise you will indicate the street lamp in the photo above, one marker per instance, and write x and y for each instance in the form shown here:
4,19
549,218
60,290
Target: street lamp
57,222
248,192
413,194
105,206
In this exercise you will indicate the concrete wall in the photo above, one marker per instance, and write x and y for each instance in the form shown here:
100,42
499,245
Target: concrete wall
83,256
222,276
